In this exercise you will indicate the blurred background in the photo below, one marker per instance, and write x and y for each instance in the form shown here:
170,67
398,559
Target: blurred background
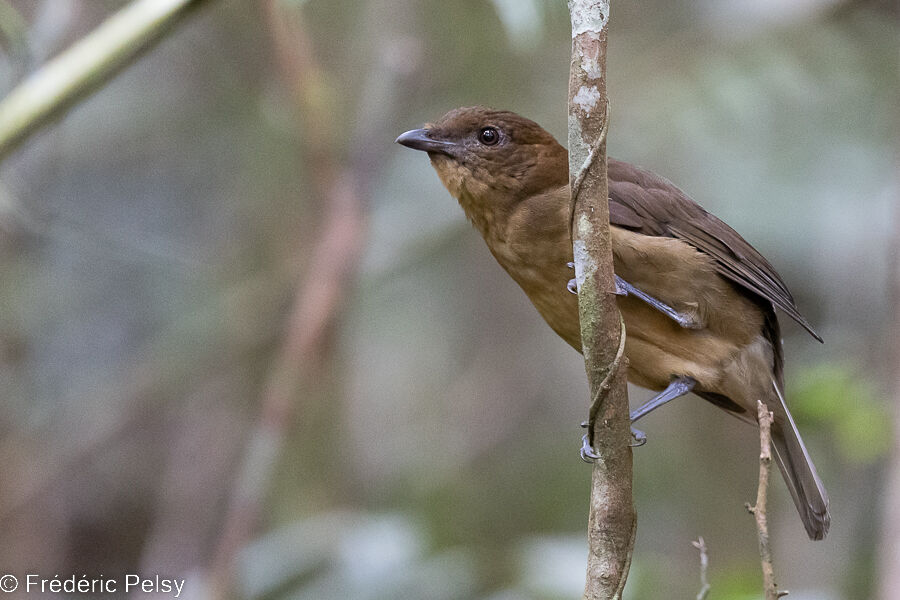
247,340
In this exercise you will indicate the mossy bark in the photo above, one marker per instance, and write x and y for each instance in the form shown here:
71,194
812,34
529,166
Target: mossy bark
612,521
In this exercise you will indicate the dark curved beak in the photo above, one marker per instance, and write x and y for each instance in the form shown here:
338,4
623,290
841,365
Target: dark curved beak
419,139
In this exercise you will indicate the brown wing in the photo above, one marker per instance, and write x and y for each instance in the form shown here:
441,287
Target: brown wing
646,203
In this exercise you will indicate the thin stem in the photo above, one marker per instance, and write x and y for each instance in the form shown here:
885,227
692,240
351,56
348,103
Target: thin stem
759,509
700,545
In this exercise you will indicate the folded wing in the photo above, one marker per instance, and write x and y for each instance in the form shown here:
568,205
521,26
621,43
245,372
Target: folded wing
651,205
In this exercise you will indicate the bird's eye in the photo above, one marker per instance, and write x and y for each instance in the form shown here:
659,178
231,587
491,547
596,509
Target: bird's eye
488,136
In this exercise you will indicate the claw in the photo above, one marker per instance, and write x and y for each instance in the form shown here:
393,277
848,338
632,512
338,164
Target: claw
572,286
690,318
640,438
587,453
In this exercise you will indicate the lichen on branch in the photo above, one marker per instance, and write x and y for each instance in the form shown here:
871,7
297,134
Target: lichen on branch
612,521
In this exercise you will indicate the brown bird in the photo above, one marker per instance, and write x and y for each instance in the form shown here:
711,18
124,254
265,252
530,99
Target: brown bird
697,299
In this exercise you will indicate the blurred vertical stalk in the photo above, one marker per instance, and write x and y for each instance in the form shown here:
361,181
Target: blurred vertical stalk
612,521
316,299
889,567
90,62
342,186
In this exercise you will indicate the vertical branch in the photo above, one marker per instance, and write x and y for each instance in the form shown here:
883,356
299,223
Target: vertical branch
612,521
759,509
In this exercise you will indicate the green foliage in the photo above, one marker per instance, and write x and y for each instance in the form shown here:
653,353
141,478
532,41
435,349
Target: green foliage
13,30
837,396
737,583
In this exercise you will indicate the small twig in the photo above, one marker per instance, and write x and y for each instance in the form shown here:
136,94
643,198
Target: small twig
700,545
759,509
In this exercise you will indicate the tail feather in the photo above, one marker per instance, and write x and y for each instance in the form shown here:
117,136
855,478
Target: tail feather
799,472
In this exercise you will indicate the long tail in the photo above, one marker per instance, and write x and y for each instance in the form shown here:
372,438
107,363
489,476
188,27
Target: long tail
799,473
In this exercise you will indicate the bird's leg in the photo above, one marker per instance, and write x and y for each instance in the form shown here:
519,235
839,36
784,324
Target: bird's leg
677,388
623,288
687,320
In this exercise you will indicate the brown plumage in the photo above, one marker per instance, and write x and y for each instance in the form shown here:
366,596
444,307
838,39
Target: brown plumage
511,178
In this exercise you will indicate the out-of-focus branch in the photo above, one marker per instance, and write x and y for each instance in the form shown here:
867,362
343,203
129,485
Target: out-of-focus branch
612,522
759,509
889,567
315,302
319,297
314,308
700,545
89,63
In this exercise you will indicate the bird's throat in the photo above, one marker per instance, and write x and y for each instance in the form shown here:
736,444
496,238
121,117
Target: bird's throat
484,206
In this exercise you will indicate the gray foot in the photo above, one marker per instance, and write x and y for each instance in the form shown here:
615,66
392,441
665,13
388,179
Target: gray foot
689,319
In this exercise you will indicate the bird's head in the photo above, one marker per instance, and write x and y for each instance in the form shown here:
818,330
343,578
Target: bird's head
485,155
